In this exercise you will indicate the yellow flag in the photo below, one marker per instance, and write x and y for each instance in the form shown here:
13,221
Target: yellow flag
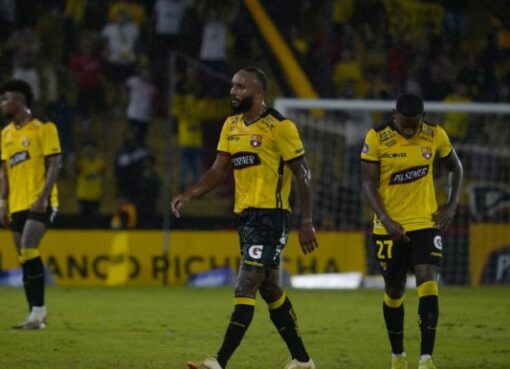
118,269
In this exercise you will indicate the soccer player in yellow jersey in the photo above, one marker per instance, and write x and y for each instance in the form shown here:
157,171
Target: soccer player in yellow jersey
397,179
31,161
263,149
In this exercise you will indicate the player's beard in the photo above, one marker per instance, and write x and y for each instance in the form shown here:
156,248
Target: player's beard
244,105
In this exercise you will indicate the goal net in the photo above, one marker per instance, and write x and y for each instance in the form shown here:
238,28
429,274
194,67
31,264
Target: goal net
477,245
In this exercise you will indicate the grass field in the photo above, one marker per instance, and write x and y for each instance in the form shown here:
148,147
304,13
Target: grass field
96,328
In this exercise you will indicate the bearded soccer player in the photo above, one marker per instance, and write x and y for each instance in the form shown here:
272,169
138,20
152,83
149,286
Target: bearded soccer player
263,148
31,161
397,179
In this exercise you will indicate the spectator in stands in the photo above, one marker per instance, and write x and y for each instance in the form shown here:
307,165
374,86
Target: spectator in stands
456,124
121,36
140,108
90,172
348,76
22,42
129,166
398,59
189,130
168,19
125,216
213,50
149,185
62,113
87,69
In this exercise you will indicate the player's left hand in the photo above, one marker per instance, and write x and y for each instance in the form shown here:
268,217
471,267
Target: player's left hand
307,238
444,216
40,206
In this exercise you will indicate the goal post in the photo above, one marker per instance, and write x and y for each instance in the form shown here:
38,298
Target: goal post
478,241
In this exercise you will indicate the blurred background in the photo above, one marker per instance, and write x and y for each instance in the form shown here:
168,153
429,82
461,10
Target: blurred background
139,92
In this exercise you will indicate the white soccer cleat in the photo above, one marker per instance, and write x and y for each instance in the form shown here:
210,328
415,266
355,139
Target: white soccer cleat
208,363
426,363
399,361
294,364
36,319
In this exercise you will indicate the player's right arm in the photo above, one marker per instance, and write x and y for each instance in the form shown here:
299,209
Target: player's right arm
4,193
210,180
370,175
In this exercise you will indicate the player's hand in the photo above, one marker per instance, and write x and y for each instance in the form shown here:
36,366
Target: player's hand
444,216
307,238
40,206
395,230
3,217
178,202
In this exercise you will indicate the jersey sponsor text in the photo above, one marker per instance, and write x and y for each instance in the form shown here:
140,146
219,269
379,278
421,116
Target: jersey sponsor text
409,175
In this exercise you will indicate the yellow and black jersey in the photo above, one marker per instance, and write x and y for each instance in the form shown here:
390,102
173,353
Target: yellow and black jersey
259,154
24,151
90,179
406,182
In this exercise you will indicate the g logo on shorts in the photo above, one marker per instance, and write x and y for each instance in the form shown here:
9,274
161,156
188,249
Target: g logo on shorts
255,251
438,242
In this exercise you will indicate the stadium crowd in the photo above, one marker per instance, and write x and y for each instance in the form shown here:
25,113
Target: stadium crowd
94,64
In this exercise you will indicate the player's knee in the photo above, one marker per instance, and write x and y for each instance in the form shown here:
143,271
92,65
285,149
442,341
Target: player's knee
395,292
246,287
270,292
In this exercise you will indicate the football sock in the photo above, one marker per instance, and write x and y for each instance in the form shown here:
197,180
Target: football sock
428,314
393,311
25,282
284,318
239,323
34,275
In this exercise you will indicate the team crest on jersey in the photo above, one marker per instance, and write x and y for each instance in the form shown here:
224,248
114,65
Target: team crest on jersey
256,140
365,148
426,152
25,142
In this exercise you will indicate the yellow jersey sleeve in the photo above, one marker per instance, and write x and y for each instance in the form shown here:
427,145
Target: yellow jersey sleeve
370,151
444,147
288,141
2,150
223,141
50,140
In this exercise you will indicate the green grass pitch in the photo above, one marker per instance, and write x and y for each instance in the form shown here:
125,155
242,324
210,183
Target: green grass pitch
96,328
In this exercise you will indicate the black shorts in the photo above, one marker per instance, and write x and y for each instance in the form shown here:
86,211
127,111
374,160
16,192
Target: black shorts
19,218
263,233
396,259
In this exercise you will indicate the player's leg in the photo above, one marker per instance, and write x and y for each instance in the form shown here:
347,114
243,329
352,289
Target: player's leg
246,288
428,310
392,258
247,284
427,261
16,236
393,312
284,318
17,223
31,237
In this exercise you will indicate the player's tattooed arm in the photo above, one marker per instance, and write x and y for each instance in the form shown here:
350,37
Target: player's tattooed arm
303,175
